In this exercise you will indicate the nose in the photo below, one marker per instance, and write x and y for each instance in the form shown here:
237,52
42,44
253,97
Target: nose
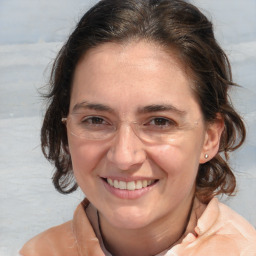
126,150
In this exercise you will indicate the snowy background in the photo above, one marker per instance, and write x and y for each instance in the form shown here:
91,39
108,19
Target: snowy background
31,33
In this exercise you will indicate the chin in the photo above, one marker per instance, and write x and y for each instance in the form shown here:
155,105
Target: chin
129,219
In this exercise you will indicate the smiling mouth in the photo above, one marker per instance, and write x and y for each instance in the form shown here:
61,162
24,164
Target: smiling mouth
130,185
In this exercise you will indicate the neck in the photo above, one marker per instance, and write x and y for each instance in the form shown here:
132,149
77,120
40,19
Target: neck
149,240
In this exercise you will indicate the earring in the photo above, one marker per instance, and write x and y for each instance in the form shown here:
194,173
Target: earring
206,156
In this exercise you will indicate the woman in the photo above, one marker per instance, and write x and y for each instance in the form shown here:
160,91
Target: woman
139,114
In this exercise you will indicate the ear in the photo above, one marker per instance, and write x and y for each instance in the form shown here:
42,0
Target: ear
212,139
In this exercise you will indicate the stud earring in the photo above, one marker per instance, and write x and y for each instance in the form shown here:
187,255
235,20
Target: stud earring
206,156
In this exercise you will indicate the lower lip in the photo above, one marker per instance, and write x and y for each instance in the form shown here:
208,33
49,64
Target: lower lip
128,194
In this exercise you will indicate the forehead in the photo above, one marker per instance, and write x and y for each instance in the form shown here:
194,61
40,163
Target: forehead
134,53
134,74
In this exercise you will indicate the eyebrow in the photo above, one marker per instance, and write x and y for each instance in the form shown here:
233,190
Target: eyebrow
92,106
141,110
160,107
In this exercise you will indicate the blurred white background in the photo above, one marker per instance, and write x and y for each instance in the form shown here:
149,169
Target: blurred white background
31,33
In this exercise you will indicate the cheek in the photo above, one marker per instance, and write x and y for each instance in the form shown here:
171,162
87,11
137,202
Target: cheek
179,162
168,158
175,159
85,156
180,170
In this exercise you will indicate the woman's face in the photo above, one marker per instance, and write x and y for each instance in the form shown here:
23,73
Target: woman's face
134,182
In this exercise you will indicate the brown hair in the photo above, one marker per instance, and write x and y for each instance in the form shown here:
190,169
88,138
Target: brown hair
173,24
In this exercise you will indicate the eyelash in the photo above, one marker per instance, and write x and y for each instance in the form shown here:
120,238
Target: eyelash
167,122
159,122
90,119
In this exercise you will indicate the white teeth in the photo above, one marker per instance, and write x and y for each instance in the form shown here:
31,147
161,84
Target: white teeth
110,182
144,183
116,184
138,184
122,185
131,185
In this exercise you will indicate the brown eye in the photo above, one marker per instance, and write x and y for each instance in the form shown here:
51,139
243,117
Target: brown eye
159,125
92,122
161,122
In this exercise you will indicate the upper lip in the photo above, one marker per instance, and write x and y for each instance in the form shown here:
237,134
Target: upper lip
127,179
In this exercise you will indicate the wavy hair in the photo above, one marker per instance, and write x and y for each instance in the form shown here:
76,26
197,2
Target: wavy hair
173,24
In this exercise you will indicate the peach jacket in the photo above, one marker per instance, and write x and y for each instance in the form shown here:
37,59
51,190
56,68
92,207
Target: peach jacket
213,230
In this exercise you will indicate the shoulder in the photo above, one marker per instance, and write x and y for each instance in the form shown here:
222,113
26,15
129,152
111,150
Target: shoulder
229,233
58,241
68,239
229,217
